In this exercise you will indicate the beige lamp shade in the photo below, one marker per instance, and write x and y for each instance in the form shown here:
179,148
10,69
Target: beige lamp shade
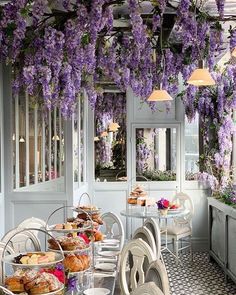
234,52
104,134
55,137
113,127
201,77
159,95
96,138
21,139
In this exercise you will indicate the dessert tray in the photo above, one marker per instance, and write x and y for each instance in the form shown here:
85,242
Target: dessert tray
176,210
84,250
55,228
87,209
10,259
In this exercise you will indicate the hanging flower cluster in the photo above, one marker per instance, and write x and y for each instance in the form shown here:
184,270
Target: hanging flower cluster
59,47
110,107
215,107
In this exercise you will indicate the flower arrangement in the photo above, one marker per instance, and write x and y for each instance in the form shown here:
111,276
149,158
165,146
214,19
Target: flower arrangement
163,204
57,271
228,196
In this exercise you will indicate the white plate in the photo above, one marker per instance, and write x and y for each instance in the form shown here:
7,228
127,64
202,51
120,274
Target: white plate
111,241
72,251
97,291
172,211
105,266
108,253
10,260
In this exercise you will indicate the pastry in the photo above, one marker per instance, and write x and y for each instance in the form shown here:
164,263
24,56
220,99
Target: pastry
59,226
54,283
72,263
98,236
141,201
38,286
132,201
29,275
14,284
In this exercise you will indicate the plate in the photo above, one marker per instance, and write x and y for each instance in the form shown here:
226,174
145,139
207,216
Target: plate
63,230
97,291
9,259
172,211
89,211
105,266
108,253
111,241
72,251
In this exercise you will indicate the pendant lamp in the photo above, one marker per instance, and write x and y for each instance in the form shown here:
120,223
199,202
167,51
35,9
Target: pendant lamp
21,139
96,138
201,76
113,127
160,94
104,134
234,52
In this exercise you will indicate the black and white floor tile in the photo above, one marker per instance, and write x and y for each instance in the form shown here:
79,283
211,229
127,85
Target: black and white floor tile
199,277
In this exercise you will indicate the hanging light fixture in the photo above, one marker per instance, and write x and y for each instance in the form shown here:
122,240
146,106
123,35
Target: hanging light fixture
104,134
234,52
113,127
201,76
160,94
96,138
21,139
55,137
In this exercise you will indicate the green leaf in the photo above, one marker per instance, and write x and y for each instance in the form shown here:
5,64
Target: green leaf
10,29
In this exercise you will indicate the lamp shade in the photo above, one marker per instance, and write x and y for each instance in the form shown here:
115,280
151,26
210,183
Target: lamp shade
159,95
55,137
96,138
104,134
21,139
234,52
113,127
201,77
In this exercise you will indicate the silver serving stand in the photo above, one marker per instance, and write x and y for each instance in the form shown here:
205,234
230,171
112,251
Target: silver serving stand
7,259
85,275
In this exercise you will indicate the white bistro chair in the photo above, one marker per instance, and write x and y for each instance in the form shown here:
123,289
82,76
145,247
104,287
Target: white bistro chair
22,242
8,251
113,228
182,226
153,227
147,289
132,274
157,273
32,222
145,234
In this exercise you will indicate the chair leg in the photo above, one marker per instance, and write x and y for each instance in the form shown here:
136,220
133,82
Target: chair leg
177,249
191,247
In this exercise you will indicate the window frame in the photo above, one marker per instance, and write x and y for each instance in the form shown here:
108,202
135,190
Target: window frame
162,184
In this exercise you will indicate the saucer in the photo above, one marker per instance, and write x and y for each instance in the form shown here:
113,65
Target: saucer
97,291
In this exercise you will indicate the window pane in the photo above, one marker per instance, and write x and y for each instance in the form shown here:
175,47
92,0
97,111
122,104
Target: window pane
110,138
156,153
191,148
38,142
82,138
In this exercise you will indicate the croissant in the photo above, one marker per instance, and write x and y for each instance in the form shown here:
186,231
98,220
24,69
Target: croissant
72,263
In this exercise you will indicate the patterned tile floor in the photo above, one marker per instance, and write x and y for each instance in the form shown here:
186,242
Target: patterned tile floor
199,277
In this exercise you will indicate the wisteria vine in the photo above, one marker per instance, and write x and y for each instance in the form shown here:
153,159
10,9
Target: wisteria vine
58,48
